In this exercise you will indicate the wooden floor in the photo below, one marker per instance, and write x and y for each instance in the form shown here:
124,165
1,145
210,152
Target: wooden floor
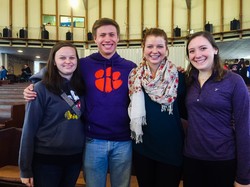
133,182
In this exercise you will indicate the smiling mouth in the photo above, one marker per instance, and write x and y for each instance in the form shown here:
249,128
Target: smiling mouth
200,61
68,66
107,45
155,56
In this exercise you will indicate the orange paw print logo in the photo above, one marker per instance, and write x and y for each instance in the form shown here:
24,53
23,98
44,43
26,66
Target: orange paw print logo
108,83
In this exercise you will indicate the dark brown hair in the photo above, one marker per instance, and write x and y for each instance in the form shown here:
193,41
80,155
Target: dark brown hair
217,66
53,80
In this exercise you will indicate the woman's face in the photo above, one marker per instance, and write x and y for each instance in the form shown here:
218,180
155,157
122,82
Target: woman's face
155,49
201,53
66,61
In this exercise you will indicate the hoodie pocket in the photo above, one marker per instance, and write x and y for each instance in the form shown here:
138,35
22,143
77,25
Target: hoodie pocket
69,136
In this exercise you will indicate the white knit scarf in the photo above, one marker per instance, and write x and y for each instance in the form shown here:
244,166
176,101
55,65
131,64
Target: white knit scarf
161,89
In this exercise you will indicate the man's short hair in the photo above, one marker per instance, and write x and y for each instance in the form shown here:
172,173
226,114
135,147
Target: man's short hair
105,21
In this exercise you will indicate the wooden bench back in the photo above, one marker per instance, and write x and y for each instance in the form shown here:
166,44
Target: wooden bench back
12,115
9,146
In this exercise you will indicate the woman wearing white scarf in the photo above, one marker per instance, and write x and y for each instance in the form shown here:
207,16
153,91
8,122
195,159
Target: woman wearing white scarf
155,120
162,88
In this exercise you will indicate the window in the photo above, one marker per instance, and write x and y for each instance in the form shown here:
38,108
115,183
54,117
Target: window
49,20
65,21
78,22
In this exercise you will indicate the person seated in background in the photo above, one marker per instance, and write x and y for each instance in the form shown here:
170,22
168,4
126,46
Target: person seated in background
235,66
248,71
26,73
243,71
226,66
3,73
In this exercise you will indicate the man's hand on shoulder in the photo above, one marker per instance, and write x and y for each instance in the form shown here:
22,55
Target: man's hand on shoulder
28,93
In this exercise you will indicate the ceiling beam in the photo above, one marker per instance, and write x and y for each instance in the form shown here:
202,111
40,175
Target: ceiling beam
85,4
188,4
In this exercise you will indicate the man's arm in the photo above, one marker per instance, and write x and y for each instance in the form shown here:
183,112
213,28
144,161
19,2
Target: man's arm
181,69
28,93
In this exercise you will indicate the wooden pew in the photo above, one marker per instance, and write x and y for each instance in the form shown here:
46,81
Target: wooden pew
12,101
9,149
12,115
11,96
12,89
5,82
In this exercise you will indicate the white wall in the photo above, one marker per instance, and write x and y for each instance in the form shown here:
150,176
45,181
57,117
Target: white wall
176,54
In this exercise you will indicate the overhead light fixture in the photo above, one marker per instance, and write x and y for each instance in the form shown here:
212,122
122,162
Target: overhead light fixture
38,56
19,51
73,3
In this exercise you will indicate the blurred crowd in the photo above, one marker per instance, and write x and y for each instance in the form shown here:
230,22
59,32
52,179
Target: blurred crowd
241,67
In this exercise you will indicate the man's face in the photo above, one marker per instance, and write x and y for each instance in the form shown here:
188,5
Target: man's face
106,39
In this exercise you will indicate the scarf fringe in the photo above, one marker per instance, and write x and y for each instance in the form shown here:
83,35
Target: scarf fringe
137,138
136,128
168,108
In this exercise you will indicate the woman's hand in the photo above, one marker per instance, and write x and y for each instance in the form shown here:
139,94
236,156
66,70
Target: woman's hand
28,181
236,184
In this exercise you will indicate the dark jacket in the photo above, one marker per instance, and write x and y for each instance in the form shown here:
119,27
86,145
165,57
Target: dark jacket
46,130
